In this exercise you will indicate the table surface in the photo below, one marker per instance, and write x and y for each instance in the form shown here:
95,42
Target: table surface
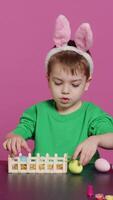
53,186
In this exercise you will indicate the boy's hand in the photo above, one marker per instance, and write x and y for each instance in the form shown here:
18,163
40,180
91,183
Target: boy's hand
86,150
14,144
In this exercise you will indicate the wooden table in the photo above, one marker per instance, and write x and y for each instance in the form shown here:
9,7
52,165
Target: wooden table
53,186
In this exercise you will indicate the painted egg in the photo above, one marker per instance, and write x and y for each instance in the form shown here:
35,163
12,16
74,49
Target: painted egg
23,158
102,165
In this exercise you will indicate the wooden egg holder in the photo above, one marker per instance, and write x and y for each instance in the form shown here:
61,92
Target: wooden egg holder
38,164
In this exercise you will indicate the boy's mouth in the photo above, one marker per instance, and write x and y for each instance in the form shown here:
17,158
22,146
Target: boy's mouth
64,100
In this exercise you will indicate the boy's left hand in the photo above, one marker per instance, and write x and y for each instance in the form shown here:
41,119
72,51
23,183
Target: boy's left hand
86,150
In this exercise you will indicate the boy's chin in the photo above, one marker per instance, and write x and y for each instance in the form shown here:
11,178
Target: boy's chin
63,107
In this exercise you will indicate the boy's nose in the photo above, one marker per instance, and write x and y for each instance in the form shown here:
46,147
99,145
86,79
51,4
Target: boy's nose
65,89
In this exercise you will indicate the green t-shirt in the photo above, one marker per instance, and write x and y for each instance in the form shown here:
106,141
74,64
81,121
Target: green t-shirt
57,133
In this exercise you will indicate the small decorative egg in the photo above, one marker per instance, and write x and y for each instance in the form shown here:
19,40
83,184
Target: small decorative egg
102,165
23,158
109,197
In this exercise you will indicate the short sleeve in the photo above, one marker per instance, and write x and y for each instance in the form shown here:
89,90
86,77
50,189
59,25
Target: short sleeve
27,123
101,124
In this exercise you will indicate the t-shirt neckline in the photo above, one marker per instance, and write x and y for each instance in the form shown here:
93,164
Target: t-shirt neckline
60,116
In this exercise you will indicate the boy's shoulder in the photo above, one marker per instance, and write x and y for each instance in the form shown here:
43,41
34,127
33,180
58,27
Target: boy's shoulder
45,103
42,105
91,105
92,108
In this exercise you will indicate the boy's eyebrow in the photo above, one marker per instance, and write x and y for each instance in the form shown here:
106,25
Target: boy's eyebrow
75,80
57,78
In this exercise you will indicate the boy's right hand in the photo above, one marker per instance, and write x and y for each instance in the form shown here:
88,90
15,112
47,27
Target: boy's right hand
14,144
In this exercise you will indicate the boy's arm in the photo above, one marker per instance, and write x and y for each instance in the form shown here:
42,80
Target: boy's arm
105,140
100,135
15,140
88,148
27,124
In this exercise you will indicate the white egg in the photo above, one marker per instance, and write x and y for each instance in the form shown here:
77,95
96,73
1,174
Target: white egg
102,165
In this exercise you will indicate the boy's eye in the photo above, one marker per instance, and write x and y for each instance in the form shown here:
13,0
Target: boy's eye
77,85
57,83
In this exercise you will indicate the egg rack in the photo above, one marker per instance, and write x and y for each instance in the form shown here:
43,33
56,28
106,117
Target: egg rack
37,164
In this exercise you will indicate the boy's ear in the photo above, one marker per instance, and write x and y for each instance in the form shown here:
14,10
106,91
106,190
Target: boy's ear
88,83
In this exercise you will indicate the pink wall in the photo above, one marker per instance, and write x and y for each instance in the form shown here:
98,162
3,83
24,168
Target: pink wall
26,29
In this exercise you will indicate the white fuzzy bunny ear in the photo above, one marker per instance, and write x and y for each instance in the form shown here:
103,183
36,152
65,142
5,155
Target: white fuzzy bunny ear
62,31
84,37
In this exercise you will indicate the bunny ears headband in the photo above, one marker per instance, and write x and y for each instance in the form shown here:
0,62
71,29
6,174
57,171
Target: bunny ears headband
62,35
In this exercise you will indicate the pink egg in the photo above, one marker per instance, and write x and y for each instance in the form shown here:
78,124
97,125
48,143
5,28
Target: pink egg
102,165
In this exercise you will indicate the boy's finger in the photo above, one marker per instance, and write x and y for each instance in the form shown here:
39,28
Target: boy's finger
8,145
25,146
85,161
18,144
14,146
77,152
5,145
85,157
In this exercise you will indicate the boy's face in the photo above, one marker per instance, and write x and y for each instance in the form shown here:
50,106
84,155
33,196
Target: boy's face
67,89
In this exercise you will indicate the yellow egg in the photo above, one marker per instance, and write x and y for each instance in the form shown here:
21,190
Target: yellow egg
109,197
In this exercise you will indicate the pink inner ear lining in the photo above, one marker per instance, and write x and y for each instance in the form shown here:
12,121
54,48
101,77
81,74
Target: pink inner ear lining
62,31
84,37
